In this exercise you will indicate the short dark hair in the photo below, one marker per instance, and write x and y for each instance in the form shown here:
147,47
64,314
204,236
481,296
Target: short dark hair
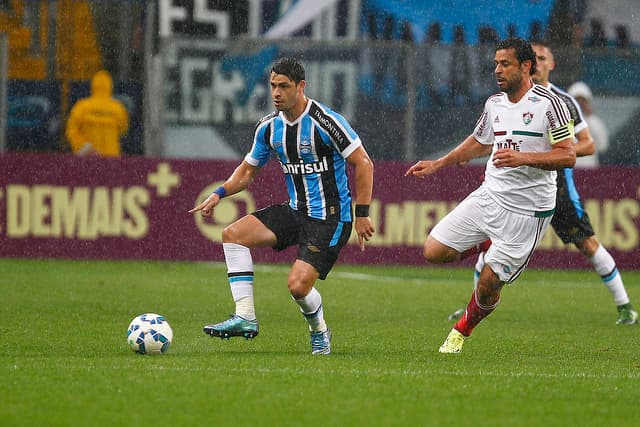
289,67
524,51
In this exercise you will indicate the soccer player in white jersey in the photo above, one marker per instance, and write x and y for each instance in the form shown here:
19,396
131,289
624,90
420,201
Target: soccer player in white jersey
313,144
570,221
528,132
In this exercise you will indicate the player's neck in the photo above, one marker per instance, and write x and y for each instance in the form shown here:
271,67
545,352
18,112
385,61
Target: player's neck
293,114
524,88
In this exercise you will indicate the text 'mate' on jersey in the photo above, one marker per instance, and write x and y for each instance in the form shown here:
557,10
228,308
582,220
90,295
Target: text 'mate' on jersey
312,152
533,124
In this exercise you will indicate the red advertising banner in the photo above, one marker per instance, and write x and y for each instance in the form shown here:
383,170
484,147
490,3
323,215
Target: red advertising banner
61,206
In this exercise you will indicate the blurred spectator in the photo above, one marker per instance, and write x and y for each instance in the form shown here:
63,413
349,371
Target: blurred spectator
566,23
485,67
535,31
406,35
460,68
597,37
433,70
488,35
622,37
561,24
512,30
581,92
97,123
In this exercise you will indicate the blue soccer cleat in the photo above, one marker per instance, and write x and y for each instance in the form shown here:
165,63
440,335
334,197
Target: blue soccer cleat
234,326
321,342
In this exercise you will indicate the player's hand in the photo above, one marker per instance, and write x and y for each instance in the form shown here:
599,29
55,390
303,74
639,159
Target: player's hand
206,207
364,229
507,158
422,168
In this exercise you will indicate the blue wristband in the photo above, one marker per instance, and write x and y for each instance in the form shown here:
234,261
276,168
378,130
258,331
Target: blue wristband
220,191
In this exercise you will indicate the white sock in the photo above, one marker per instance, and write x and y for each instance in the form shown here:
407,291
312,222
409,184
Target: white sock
478,269
605,266
240,274
311,308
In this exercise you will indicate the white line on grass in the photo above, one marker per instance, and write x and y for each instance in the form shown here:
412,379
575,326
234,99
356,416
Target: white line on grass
284,269
414,373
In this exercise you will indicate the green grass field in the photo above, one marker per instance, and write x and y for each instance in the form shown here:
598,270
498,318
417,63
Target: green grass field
550,355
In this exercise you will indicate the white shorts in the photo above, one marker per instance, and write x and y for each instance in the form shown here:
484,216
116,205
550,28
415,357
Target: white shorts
477,218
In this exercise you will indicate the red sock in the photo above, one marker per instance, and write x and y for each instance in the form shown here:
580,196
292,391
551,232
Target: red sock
480,247
473,315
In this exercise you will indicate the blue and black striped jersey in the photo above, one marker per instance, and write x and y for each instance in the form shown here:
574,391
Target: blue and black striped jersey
312,152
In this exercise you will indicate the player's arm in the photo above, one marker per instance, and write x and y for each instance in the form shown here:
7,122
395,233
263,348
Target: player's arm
561,155
584,144
468,149
240,179
363,165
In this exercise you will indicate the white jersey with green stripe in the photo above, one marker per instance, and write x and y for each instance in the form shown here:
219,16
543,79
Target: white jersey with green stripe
533,124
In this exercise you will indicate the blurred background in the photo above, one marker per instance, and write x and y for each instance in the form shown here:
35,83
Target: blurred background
411,76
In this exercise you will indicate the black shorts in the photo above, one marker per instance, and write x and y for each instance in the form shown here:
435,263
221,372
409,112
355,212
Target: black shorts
319,241
570,221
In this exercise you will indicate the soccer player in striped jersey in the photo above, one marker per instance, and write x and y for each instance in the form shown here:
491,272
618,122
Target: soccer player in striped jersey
570,221
313,144
528,133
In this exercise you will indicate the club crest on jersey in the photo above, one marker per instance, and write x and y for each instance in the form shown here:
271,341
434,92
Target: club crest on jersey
305,146
277,144
527,117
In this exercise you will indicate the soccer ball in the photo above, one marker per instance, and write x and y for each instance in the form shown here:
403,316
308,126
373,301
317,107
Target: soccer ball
149,333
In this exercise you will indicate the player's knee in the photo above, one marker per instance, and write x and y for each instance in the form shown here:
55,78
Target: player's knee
488,294
489,287
230,234
297,287
588,246
436,253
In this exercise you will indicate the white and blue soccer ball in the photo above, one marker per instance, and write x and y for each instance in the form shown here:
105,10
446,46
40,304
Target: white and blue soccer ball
149,333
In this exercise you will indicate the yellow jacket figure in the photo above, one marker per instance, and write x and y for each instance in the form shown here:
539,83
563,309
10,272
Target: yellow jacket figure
97,123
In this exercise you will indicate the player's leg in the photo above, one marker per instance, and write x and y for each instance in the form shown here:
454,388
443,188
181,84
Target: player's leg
484,299
320,245
301,286
478,268
476,277
605,266
572,224
237,239
458,235
504,262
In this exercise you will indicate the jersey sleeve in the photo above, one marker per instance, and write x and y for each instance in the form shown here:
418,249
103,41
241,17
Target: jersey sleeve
579,123
483,130
344,138
559,121
260,149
